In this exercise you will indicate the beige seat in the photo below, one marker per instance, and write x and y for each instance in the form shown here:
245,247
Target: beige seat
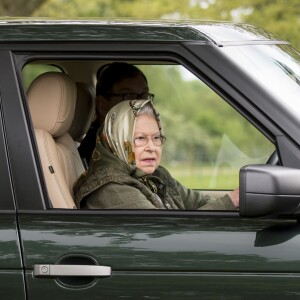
84,111
52,99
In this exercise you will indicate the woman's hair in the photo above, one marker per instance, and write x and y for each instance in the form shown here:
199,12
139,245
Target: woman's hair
110,74
148,110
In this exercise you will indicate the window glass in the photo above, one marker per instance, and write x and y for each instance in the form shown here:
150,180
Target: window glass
31,71
207,140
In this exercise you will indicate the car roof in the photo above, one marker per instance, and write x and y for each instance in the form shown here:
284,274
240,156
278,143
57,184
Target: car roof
220,33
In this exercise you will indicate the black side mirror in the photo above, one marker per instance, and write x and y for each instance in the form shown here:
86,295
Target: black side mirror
269,190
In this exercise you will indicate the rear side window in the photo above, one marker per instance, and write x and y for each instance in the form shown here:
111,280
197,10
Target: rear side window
31,71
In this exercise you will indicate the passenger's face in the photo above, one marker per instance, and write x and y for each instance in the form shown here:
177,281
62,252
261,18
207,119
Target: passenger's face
135,85
147,157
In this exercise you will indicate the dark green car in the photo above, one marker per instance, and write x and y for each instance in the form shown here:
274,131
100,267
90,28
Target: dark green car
229,100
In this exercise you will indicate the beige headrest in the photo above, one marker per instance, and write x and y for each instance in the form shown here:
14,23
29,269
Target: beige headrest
51,97
84,111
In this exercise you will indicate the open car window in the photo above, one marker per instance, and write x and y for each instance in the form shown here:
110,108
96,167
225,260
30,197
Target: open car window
207,140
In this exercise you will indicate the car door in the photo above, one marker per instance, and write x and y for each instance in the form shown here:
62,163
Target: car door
169,255
154,254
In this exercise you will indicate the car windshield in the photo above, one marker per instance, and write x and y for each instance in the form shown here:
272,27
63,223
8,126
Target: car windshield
276,68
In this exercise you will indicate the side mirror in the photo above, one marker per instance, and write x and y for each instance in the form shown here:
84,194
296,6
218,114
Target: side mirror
269,190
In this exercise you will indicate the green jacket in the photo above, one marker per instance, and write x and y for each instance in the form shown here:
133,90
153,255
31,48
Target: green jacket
111,184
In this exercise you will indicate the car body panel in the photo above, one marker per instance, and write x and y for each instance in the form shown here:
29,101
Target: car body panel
12,285
37,30
177,285
148,250
226,34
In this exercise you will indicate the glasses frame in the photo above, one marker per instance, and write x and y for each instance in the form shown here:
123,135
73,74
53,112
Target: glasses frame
162,139
125,96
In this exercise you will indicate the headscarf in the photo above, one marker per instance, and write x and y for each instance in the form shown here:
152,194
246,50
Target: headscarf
119,127
113,160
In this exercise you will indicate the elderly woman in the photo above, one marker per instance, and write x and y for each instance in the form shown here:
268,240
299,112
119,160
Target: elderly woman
125,172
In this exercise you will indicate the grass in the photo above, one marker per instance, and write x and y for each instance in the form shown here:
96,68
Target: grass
206,177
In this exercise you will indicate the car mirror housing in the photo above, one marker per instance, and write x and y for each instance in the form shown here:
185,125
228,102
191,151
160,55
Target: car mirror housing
269,190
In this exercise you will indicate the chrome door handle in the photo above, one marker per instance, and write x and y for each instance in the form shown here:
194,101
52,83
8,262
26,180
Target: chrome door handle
71,270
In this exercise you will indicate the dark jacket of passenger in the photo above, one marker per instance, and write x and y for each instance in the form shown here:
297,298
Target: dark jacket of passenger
111,184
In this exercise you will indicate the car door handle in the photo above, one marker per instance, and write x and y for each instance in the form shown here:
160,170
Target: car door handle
71,270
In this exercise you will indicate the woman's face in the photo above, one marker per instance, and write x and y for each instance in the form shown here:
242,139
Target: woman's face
147,157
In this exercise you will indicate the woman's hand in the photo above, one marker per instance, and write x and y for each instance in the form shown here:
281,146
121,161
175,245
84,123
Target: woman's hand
235,197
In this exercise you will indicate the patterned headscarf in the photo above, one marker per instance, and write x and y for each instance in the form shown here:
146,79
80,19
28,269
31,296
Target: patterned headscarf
119,127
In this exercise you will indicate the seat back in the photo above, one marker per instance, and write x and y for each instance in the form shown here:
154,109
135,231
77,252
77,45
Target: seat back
84,111
52,99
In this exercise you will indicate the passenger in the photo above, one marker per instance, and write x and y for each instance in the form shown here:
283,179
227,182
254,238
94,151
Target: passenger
116,82
125,171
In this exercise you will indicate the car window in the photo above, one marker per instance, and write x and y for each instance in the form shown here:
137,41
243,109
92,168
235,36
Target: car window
207,140
31,71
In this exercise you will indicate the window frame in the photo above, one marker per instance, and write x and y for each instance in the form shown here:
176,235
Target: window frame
176,53
7,199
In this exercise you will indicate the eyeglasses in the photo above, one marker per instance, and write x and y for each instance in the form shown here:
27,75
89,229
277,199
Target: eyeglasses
157,140
133,96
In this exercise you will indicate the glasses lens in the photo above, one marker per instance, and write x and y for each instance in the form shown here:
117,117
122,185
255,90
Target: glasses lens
156,140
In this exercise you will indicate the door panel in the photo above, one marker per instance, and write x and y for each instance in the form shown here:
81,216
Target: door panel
186,256
12,285
11,272
160,285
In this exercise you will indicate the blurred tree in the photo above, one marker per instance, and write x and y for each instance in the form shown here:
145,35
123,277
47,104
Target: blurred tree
19,7
277,16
